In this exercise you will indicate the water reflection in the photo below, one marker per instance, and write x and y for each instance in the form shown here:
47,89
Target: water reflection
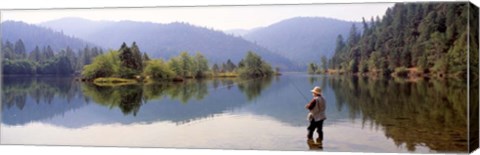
254,87
15,90
412,114
47,97
428,113
131,97
316,144
26,99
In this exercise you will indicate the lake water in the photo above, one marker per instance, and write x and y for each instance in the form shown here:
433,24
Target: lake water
364,115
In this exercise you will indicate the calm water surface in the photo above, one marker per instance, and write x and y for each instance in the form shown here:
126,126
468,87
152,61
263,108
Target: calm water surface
363,114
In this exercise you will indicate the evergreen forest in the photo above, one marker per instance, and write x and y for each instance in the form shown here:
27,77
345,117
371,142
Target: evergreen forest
412,39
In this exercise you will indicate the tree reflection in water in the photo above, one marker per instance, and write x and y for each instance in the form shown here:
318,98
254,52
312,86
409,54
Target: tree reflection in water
42,90
423,112
131,97
252,88
431,113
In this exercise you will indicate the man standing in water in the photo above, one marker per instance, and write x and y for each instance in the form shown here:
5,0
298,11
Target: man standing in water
316,116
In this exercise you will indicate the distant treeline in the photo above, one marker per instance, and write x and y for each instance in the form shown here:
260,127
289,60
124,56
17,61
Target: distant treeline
44,60
131,63
430,38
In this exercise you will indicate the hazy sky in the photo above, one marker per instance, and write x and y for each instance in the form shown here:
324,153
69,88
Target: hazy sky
217,17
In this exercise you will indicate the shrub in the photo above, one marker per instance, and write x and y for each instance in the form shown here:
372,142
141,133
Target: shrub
105,65
158,70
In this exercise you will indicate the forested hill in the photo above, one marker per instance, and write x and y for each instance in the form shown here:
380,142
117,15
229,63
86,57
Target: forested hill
33,35
166,40
428,37
301,39
30,49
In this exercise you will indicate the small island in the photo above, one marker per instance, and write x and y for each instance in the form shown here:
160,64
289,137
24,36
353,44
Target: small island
130,66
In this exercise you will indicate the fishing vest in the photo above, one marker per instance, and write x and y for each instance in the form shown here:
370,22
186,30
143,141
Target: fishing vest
318,111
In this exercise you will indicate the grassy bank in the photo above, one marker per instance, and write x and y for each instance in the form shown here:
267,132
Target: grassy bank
112,81
225,75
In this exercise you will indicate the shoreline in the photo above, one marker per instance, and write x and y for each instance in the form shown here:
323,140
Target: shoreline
114,81
410,74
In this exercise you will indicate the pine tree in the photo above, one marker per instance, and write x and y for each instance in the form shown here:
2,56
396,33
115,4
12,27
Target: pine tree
366,29
128,63
145,57
35,55
312,68
71,57
49,52
324,62
137,56
353,36
215,69
20,50
230,66
8,50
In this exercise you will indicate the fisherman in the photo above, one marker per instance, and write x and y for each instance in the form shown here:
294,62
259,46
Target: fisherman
316,116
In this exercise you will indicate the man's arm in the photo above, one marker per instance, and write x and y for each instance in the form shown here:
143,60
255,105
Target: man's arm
310,105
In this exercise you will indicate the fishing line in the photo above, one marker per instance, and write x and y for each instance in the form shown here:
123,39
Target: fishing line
298,90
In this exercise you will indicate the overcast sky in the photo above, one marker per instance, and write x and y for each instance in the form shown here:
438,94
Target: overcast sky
217,17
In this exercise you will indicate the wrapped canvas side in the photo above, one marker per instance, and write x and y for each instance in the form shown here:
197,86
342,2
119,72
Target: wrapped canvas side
473,81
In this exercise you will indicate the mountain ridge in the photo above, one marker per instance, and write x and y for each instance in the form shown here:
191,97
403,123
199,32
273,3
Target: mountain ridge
168,40
34,35
302,39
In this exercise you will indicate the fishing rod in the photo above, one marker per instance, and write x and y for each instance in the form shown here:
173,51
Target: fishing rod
304,97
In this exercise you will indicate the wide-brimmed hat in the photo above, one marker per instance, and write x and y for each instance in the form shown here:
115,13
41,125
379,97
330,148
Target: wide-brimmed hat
317,90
